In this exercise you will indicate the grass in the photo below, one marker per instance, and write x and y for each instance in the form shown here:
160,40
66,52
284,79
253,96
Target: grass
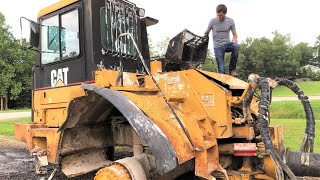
291,115
15,110
310,88
292,109
7,126
293,130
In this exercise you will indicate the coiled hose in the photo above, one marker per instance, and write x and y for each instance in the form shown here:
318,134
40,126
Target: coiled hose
308,140
263,119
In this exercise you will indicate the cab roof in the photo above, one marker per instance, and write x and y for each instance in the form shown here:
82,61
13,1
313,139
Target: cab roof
60,4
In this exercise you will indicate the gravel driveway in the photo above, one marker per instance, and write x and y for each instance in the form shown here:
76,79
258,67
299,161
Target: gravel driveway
13,115
290,98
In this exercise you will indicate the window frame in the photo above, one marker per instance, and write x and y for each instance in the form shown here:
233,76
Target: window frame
59,14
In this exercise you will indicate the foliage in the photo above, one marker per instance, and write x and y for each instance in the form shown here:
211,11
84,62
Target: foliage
276,57
15,67
210,63
158,50
308,72
268,57
316,60
304,53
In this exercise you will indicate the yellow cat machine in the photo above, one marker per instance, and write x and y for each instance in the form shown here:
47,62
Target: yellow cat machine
101,104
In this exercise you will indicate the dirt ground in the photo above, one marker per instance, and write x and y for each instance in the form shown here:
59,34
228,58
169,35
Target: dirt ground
15,163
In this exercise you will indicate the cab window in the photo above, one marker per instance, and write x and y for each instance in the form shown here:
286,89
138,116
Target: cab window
60,37
113,22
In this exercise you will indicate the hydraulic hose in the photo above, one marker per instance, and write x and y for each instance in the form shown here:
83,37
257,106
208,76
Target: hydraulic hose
246,104
308,140
303,164
263,119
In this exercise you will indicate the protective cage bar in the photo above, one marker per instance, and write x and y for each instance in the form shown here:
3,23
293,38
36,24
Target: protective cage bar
118,17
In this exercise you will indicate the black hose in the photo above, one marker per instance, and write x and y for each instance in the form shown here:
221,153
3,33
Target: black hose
263,119
308,140
248,97
303,164
246,103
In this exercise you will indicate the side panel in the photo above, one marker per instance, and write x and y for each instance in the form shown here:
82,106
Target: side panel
145,128
50,105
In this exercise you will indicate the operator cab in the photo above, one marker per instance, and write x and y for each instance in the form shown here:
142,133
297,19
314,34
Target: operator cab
74,38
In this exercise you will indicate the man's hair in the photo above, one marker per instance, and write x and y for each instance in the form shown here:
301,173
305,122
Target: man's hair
221,8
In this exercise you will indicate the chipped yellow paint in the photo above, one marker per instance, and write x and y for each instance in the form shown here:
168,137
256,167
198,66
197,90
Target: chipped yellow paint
30,132
203,107
203,111
234,83
50,104
155,67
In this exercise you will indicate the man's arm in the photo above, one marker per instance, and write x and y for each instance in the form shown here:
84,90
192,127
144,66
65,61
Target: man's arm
206,33
235,37
234,32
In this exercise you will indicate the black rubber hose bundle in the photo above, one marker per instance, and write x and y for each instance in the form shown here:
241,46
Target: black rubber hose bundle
308,140
263,119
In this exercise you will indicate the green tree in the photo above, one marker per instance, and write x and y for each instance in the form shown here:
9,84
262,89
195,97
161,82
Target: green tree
268,57
6,68
15,67
304,53
20,92
158,50
316,60
210,63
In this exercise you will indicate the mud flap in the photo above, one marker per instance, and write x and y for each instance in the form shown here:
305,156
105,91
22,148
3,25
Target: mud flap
146,129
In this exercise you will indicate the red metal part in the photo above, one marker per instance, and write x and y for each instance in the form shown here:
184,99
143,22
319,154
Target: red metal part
245,149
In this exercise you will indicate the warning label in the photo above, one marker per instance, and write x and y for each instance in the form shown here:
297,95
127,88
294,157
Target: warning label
207,100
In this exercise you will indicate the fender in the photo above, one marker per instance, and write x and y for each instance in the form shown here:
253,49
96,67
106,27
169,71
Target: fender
145,128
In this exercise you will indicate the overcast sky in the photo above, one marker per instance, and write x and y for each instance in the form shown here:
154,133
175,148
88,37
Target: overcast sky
253,18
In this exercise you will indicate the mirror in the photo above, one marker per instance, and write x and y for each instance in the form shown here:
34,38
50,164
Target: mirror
29,32
34,34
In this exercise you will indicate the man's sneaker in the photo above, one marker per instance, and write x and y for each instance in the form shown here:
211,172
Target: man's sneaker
233,73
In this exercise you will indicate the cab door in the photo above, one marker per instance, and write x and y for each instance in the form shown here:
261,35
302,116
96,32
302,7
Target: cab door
61,57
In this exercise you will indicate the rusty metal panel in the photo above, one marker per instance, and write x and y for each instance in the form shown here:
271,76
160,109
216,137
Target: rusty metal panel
83,137
22,131
52,140
234,83
246,132
276,135
83,162
145,128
